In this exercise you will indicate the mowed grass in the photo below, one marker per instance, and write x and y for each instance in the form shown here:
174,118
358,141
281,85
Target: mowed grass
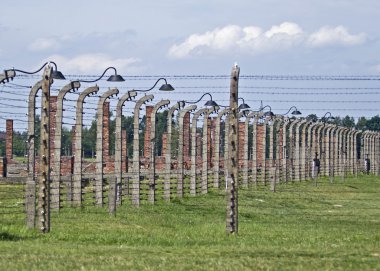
332,226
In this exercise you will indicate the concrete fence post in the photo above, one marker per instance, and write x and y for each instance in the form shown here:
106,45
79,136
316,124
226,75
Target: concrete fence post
115,193
279,147
297,150
271,153
180,158
245,150
217,159
205,153
152,168
77,179
30,186
56,174
168,154
285,151
264,153
193,170
291,151
136,150
304,152
99,180
309,150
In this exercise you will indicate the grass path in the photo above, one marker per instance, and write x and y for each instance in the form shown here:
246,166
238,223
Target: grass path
334,226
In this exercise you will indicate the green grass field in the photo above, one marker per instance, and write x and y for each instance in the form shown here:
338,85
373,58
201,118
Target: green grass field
334,226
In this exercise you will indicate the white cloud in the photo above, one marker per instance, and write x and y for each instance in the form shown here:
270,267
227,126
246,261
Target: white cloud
334,36
94,63
43,44
253,39
285,28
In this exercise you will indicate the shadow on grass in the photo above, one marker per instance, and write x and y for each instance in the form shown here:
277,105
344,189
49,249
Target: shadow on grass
5,236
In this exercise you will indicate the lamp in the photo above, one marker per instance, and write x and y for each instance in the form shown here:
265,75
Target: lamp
326,119
164,87
208,103
243,106
269,113
113,78
295,111
55,74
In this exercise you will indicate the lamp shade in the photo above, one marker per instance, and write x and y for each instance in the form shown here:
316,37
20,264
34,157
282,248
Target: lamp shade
296,112
269,113
115,78
57,75
244,106
211,103
166,87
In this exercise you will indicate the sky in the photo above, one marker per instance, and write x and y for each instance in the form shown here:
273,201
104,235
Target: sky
167,37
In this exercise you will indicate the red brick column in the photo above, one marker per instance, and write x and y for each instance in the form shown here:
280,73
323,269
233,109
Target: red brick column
9,140
124,153
259,143
280,143
186,136
164,143
241,136
2,171
148,125
53,124
210,145
199,149
73,140
106,131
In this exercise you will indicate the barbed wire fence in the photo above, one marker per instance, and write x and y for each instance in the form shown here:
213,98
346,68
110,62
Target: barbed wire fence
274,150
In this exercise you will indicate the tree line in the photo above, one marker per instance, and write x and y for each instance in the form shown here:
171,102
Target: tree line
89,134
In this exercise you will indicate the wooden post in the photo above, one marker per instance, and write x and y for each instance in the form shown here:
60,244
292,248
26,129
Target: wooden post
232,191
44,174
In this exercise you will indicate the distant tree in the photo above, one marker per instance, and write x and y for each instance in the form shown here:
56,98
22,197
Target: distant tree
361,124
337,120
348,121
19,144
374,123
312,117
89,139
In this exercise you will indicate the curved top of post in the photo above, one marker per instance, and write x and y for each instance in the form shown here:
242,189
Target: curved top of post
199,113
107,94
75,85
86,92
8,74
126,97
160,104
190,108
143,100
33,92
176,106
